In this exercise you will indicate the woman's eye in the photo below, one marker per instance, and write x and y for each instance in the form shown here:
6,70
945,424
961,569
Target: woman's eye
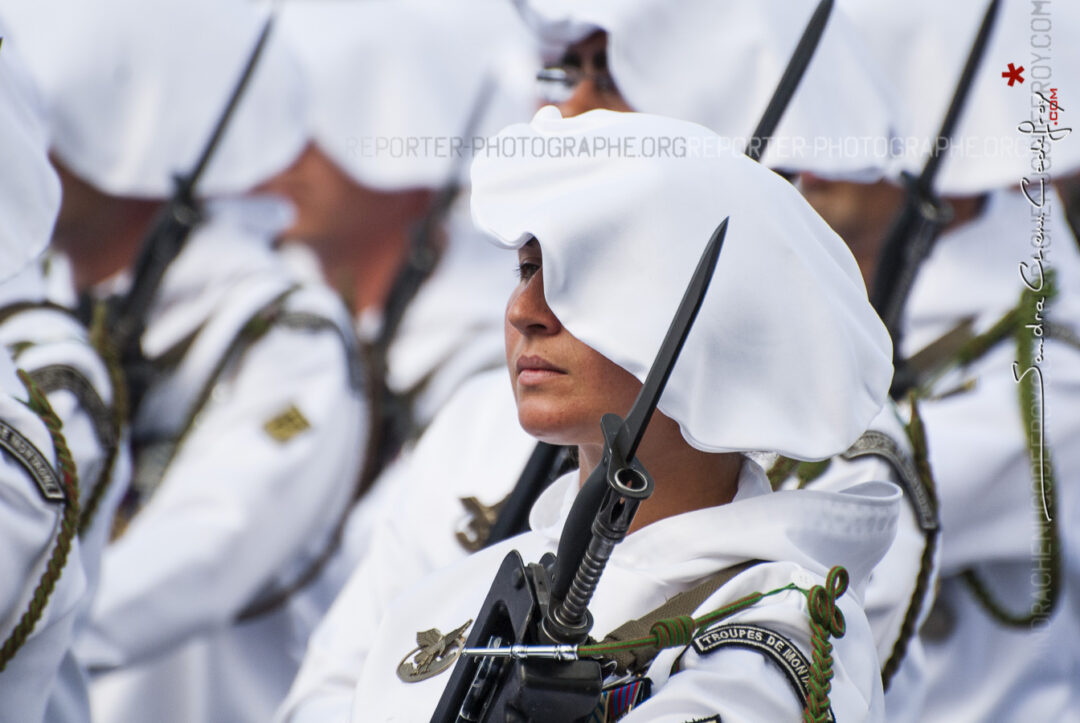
526,270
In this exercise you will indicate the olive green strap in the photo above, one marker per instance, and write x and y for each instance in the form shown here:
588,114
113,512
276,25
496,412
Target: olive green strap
685,603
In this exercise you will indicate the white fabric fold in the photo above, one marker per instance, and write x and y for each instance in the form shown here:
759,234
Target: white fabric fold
394,82
134,89
29,189
787,354
923,45
718,64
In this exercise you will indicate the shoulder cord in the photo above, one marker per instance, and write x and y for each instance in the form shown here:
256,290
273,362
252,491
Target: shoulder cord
99,339
69,521
1047,592
106,420
275,599
826,620
1012,323
269,316
250,332
807,472
917,434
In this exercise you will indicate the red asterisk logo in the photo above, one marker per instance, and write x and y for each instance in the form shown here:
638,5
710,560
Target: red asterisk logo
1014,74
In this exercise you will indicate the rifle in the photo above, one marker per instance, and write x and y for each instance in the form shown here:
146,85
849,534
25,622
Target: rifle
391,415
168,233
513,518
546,603
917,225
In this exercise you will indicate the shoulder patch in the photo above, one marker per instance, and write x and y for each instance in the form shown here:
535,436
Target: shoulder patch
30,457
287,424
710,719
775,646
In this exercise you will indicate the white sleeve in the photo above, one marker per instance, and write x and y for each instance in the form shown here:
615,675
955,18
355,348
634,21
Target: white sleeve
28,530
235,504
323,689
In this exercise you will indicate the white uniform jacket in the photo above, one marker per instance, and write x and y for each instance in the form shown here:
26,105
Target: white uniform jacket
53,347
252,493
29,525
798,534
454,460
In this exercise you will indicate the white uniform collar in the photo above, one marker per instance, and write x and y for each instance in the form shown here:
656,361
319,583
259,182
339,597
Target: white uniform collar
853,528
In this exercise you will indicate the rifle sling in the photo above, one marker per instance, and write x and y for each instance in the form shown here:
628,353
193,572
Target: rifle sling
685,603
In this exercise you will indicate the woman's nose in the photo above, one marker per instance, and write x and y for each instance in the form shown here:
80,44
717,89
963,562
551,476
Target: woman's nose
528,311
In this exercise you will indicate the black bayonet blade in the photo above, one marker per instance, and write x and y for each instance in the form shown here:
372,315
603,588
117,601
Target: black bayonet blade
789,81
230,108
633,429
960,96
911,236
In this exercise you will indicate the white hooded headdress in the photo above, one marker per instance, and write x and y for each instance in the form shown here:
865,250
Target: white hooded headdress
787,354
923,45
133,90
29,189
717,63
395,82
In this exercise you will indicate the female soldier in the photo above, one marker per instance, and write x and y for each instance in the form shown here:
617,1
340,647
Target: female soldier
787,356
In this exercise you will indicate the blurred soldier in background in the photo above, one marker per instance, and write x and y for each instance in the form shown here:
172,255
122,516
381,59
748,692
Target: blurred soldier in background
42,583
1000,369
401,93
246,438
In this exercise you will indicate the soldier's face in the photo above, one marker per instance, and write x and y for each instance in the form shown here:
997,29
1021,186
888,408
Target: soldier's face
321,194
561,385
592,88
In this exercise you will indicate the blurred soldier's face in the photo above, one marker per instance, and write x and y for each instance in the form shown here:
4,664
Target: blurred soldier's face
584,82
100,233
334,214
562,386
859,212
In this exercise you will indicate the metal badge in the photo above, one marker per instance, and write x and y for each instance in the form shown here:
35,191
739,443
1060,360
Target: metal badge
477,528
434,653
287,424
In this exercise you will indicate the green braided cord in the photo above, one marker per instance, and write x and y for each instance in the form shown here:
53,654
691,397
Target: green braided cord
679,631
825,620
69,522
806,472
1010,324
781,469
99,340
1043,486
916,432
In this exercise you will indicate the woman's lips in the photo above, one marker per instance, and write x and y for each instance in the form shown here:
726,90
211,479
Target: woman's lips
535,370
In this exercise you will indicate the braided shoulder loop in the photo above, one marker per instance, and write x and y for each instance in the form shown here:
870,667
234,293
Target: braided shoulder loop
826,620
69,523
